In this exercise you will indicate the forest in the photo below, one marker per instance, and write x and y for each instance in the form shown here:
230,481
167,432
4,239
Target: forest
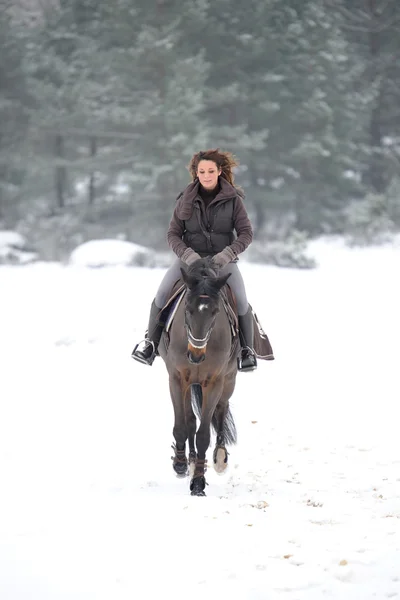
103,103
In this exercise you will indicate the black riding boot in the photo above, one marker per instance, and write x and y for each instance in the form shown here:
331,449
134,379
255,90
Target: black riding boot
247,361
152,339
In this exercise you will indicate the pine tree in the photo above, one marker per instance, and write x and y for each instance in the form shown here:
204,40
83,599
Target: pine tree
278,97
310,134
14,98
161,75
373,30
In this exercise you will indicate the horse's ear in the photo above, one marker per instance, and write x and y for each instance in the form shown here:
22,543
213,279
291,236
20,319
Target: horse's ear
221,281
189,280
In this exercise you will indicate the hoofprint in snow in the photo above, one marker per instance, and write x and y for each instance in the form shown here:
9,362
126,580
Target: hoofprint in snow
310,505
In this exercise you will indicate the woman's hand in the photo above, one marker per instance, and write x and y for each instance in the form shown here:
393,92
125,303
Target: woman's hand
223,258
190,256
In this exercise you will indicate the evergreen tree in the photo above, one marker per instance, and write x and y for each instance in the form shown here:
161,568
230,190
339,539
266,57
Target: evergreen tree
372,28
310,134
306,94
14,98
278,98
161,75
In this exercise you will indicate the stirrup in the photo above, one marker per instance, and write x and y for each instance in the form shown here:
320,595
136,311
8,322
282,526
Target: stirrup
139,354
249,363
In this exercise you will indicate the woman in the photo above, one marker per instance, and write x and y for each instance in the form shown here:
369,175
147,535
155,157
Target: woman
206,215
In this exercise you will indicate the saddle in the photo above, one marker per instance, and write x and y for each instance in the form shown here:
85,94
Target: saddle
261,344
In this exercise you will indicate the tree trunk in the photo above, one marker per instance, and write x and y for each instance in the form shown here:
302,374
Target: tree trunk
376,176
258,194
60,172
92,178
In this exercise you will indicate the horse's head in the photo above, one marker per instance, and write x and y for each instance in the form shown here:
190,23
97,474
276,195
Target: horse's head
202,305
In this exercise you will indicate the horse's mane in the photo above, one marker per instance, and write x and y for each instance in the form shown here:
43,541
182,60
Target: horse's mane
204,272
204,267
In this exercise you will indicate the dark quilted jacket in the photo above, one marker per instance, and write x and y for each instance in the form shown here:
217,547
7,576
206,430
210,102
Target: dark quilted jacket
208,231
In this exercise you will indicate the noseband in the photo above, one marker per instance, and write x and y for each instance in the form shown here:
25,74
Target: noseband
199,343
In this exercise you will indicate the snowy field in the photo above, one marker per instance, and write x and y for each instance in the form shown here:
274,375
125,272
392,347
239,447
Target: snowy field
90,508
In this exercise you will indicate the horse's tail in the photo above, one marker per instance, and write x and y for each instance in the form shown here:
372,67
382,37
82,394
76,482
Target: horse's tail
197,399
229,429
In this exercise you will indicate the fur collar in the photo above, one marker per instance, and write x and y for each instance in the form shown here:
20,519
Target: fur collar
186,199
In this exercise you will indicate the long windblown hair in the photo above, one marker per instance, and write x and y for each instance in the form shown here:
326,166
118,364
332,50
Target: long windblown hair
226,161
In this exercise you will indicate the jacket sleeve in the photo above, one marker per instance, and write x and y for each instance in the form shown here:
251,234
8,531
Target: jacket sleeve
174,235
243,228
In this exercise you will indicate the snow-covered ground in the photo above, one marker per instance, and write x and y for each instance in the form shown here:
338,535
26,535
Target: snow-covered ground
310,507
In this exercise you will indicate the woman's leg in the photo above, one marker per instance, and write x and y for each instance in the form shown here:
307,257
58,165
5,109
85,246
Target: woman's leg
248,360
170,278
154,329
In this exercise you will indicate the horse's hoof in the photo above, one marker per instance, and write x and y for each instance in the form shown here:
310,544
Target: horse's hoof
180,469
197,486
220,459
199,493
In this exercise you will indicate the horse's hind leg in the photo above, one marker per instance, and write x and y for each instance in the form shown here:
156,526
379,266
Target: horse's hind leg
220,454
178,392
224,426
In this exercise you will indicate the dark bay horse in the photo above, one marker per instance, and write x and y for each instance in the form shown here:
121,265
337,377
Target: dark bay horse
201,359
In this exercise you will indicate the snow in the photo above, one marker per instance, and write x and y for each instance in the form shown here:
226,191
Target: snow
109,253
310,506
11,238
14,248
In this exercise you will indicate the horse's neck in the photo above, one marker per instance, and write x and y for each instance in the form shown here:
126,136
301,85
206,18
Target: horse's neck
222,319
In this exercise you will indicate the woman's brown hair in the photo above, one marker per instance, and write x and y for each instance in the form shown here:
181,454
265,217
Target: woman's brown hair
226,161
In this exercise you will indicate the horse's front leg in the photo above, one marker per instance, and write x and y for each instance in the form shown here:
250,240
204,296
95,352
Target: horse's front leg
191,428
211,395
178,392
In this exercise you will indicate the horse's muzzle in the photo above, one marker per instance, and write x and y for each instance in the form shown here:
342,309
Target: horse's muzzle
196,355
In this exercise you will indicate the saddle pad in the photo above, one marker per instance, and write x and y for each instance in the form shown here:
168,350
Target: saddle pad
174,308
262,345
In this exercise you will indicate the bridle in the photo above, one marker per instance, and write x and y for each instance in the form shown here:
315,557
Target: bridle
199,343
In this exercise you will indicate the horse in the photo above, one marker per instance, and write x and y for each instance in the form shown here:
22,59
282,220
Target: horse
200,353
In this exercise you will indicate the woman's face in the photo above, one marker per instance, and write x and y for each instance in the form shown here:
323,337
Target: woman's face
208,172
